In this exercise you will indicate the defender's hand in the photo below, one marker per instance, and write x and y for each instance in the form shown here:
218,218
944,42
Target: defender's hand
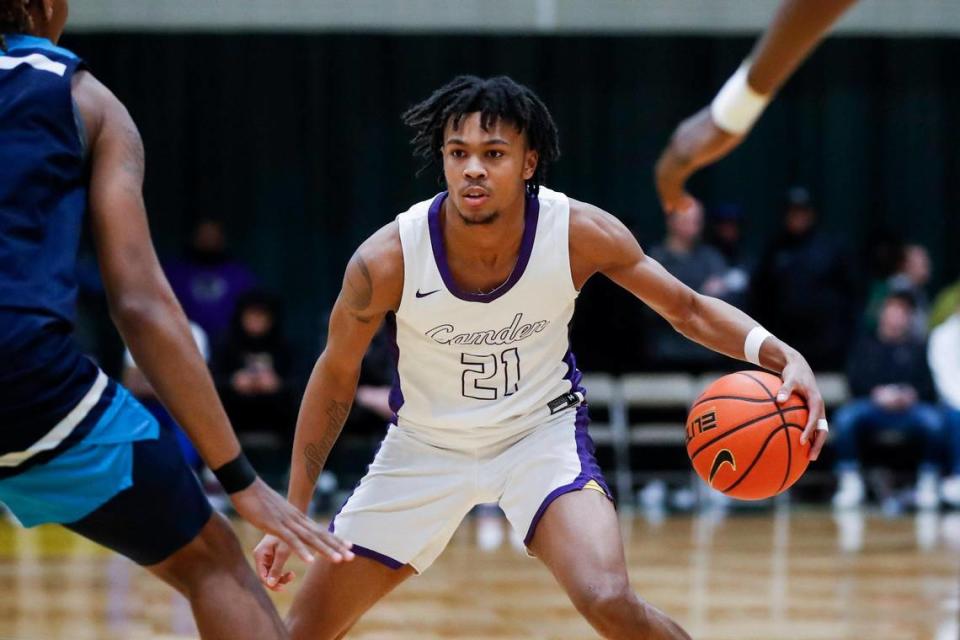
798,378
696,142
263,507
270,556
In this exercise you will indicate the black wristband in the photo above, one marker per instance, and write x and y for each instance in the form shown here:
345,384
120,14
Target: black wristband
236,475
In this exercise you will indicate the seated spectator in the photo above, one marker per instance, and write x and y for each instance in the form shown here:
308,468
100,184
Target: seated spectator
207,281
698,266
911,276
943,354
892,389
254,370
804,288
724,234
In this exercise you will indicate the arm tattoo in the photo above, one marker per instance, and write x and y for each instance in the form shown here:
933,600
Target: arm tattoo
316,452
358,287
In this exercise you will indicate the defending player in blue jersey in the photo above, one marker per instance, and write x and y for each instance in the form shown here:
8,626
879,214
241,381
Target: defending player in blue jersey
75,447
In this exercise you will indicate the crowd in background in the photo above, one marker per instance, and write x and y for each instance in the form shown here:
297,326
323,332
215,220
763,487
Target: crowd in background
900,352
874,319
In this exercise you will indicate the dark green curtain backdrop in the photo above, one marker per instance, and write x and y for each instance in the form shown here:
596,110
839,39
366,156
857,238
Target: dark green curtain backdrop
295,140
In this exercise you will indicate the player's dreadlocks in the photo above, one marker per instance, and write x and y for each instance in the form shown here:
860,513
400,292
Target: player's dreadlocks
495,99
13,19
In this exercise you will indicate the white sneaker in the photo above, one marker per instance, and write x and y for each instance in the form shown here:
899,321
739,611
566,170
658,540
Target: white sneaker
950,491
927,491
850,491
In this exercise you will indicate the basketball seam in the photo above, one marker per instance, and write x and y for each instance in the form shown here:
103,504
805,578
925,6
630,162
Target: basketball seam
738,428
786,433
740,398
786,429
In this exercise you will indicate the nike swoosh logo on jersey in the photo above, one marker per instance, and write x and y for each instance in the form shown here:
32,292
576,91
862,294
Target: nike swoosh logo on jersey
428,293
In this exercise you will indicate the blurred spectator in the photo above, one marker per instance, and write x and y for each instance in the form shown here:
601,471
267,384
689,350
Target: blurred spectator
698,266
724,234
943,354
207,281
892,389
804,287
945,303
253,368
911,276
134,380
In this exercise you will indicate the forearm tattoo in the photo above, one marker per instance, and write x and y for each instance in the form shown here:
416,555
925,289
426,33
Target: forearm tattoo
315,453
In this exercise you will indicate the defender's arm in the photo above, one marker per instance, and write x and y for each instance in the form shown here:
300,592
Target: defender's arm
372,287
701,140
141,301
152,323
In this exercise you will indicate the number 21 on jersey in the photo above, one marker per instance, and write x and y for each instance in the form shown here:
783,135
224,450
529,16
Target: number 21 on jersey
488,377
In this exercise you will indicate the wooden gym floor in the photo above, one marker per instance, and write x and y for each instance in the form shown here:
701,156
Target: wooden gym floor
786,574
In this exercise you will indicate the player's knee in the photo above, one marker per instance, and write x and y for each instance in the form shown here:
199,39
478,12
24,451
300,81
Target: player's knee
610,605
214,553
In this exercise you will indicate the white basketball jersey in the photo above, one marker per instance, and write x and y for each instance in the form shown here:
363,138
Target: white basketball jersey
476,369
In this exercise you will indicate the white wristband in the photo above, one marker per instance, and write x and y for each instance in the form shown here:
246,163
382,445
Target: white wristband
751,346
737,106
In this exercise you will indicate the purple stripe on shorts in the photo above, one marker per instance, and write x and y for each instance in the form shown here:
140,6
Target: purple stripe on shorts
379,557
530,217
589,470
396,393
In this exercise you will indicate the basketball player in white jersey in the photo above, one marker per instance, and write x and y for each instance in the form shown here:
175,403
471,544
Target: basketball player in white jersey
477,285
720,127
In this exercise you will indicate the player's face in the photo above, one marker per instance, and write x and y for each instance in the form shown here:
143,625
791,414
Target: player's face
485,170
895,319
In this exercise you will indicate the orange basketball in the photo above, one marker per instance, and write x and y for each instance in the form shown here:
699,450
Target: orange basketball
741,442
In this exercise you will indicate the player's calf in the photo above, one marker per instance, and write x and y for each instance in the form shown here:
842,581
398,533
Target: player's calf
212,574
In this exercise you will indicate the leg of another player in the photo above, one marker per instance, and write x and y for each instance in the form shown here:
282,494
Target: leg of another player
224,593
334,596
578,539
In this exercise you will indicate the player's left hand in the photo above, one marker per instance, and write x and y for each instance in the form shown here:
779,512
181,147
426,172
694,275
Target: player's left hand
696,142
798,378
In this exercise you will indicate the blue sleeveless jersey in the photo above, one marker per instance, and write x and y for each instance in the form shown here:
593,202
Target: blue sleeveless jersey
50,394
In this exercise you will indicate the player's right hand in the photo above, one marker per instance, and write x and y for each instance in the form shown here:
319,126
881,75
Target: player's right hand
265,509
696,142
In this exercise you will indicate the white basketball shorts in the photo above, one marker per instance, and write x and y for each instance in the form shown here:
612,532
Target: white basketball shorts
414,496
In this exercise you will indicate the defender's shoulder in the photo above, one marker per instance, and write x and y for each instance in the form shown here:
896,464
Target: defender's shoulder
590,224
383,247
373,282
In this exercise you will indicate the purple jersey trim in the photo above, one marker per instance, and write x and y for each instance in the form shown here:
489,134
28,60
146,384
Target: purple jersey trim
573,374
396,393
379,557
589,470
530,217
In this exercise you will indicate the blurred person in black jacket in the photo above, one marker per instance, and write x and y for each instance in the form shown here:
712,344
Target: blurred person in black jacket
892,388
254,369
804,289
699,266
